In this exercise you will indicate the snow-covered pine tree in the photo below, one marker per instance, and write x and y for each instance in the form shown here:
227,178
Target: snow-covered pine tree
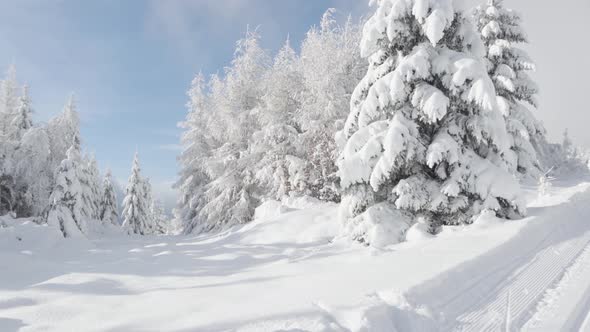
136,213
66,208
8,105
197,143
148,198
32,170
9,99
425,132
331,67
508,66
109,206
265,129
88,182
95,186
278,132
566,144
232,194
61,131
161,222
23,117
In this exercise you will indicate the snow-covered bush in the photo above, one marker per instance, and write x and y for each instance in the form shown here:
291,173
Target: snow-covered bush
425,131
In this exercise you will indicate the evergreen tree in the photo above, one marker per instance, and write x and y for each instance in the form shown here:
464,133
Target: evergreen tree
9,100
33,173
95,185
232,194
136,213
197,142
23,117
508,66
265,129
148,198
61,130
109,206
277,137
66,208
567,145
90,187
425,132
331,66
161,222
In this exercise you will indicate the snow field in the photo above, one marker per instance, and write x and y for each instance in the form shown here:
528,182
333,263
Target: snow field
284,272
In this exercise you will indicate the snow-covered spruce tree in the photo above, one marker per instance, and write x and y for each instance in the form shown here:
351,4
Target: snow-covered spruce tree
109,206
66,208
232,194
161,222
277,137
425,132
566,144
39,153
136,212
8,104
95,185
33,172
265,129
331,67
148,198
197,143
508,66
62,130
23,117
91,190
9,100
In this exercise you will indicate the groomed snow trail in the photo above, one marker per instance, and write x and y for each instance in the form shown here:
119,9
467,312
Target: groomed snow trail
565,307
502,289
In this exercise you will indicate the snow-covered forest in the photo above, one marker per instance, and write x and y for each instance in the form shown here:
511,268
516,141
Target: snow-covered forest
408,138
47,176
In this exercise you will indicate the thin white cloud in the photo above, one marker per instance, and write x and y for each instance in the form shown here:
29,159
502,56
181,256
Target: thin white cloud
169,147
193,27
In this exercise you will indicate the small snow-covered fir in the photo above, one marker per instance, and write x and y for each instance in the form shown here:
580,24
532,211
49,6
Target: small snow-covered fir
67,209
136,206
109,207
508,66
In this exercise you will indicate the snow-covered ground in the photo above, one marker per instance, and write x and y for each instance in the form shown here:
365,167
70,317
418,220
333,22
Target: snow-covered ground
285,272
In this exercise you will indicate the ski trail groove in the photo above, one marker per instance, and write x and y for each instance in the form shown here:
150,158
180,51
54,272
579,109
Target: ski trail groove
566,306
514,277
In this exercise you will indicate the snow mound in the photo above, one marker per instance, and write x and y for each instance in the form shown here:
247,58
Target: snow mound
278,223
300,202
418,232
383,312
380,226
17,235
270,209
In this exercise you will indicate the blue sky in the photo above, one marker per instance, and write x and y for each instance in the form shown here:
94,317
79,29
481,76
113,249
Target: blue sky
131,61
